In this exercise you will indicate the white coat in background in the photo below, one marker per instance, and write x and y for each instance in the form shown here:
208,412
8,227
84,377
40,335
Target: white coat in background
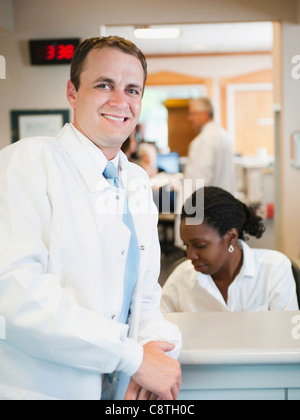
63,251
211,158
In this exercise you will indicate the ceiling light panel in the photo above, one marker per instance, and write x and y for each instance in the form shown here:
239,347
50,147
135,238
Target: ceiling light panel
157,33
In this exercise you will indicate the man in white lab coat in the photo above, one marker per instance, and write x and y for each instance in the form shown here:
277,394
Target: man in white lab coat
64,245
211,154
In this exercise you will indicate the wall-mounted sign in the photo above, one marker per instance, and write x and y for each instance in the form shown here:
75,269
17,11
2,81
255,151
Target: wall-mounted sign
32,123
53,51
295,149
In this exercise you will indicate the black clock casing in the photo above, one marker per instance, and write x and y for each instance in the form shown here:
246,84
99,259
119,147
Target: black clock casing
52,51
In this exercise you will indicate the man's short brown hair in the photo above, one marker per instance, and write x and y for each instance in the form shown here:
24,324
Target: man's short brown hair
89,44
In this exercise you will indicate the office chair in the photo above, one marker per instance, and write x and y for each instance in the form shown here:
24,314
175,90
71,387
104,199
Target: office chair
296,273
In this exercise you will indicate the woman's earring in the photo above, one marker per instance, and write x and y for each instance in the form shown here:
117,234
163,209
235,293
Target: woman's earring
231,249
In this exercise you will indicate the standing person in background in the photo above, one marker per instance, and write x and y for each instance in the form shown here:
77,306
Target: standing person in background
211,154
79,262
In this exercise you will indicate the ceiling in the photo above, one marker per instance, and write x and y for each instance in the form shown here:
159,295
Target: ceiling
203,38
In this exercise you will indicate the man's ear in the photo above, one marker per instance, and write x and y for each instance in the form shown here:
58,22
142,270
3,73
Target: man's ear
71,94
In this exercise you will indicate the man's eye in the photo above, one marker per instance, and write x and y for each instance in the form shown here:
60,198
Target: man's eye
133,92
103,86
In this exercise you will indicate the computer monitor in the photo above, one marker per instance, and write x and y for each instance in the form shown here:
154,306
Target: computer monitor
169,163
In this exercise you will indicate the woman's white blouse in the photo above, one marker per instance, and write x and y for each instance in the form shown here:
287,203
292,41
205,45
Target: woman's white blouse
265,283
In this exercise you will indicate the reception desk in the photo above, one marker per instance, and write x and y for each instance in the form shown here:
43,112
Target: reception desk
239,356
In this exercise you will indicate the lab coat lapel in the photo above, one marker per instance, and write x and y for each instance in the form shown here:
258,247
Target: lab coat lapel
108,210
91,174
144,213
139,198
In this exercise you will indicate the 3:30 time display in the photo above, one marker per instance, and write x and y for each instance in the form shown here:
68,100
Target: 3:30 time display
60,52
55,51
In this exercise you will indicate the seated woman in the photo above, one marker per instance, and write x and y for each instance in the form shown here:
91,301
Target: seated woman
223,273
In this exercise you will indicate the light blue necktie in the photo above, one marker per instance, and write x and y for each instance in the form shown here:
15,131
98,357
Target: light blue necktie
133,260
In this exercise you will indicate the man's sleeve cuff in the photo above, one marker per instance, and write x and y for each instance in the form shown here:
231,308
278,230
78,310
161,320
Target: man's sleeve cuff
132,357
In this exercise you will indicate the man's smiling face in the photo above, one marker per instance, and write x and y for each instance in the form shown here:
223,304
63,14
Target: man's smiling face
108,102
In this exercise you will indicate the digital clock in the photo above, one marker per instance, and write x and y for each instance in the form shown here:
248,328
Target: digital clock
57,51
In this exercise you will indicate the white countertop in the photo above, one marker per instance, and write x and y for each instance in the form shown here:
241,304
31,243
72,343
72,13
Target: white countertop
238,338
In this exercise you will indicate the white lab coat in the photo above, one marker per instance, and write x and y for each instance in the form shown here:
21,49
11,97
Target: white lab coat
62,259
211,158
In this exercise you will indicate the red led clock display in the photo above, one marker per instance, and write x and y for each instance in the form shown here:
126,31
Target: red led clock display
60,51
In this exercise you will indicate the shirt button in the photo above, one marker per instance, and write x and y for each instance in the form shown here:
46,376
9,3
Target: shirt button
142,248
113,317
123,252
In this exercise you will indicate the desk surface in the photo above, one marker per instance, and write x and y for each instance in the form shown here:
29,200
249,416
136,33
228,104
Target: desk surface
239,338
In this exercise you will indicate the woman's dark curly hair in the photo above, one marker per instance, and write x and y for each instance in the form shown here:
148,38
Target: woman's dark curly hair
222,211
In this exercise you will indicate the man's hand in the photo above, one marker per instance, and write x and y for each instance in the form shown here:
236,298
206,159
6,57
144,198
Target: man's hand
159,376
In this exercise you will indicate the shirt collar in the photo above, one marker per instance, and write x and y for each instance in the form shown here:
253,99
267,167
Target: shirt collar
96,154
90,160
248,268
208,125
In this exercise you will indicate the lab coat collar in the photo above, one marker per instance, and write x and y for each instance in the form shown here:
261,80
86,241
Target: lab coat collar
249,266
88,158
96,154
248,270
208,126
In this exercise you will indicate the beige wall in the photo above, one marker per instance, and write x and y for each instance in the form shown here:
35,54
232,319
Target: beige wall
27,87
64,15
6,15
